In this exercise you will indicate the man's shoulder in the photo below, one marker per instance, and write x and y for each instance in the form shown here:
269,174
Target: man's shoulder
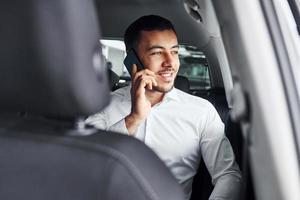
187,98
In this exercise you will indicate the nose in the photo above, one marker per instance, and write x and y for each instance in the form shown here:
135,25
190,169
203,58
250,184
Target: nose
168,60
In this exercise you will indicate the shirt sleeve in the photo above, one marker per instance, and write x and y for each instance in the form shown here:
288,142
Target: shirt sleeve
219,159
119,127
101,121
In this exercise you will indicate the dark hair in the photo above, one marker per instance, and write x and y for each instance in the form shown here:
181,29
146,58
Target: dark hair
145,23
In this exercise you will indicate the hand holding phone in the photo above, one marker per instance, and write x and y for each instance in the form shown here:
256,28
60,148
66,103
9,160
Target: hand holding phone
142,81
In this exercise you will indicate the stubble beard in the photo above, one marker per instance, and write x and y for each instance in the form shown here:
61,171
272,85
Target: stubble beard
163,89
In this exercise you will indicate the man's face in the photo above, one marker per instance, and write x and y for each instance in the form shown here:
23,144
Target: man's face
158,51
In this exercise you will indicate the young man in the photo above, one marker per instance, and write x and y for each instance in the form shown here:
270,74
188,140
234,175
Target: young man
179,127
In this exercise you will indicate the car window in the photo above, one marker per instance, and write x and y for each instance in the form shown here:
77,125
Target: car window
194,66
193,63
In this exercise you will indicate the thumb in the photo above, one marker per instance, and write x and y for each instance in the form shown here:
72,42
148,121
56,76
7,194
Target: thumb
133,70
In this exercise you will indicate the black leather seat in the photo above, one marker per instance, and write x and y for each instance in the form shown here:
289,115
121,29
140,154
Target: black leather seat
217,97
50,77
182,83
112,77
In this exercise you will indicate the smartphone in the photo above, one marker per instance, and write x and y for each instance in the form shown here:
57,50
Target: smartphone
132,58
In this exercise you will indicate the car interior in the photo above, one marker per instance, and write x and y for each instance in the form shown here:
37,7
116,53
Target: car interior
56,71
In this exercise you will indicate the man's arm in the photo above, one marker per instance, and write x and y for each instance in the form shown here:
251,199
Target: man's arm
100,121
140,104
219,159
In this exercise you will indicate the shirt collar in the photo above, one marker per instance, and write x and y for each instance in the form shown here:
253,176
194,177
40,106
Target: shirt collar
171,95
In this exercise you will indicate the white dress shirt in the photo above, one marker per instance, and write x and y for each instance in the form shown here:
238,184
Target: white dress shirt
182,129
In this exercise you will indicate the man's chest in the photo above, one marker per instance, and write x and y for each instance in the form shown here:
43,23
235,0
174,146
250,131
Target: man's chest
173,136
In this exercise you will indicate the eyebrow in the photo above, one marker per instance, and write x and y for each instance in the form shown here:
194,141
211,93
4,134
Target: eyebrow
161,47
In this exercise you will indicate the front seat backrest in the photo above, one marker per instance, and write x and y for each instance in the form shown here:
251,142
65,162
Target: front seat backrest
50,77
51,58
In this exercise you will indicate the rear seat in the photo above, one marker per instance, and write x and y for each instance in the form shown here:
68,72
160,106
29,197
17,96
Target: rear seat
112,76
217,97
182,83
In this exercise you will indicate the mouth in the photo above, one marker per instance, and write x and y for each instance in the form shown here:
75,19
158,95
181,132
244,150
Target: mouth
166,76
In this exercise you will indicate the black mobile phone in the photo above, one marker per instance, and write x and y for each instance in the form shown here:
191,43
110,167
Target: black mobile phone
132,58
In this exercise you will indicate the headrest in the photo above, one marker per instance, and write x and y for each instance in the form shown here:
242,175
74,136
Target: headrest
182,83
50,58
113,79
112,76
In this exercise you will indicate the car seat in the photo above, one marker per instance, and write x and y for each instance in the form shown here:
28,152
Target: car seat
182,83
51,76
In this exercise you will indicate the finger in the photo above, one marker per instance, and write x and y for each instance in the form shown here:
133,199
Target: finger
144,72
148,72
146,83
152,79
154,82
139,87
151,74
151,82
138,75
139,82
148,78
149,85
133,70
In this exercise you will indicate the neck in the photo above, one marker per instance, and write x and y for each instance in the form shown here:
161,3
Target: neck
154,96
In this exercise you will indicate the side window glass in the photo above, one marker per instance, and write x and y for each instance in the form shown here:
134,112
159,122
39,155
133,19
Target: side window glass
114,52
194,66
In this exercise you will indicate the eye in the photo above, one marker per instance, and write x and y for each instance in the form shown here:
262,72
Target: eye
174,52
156,53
